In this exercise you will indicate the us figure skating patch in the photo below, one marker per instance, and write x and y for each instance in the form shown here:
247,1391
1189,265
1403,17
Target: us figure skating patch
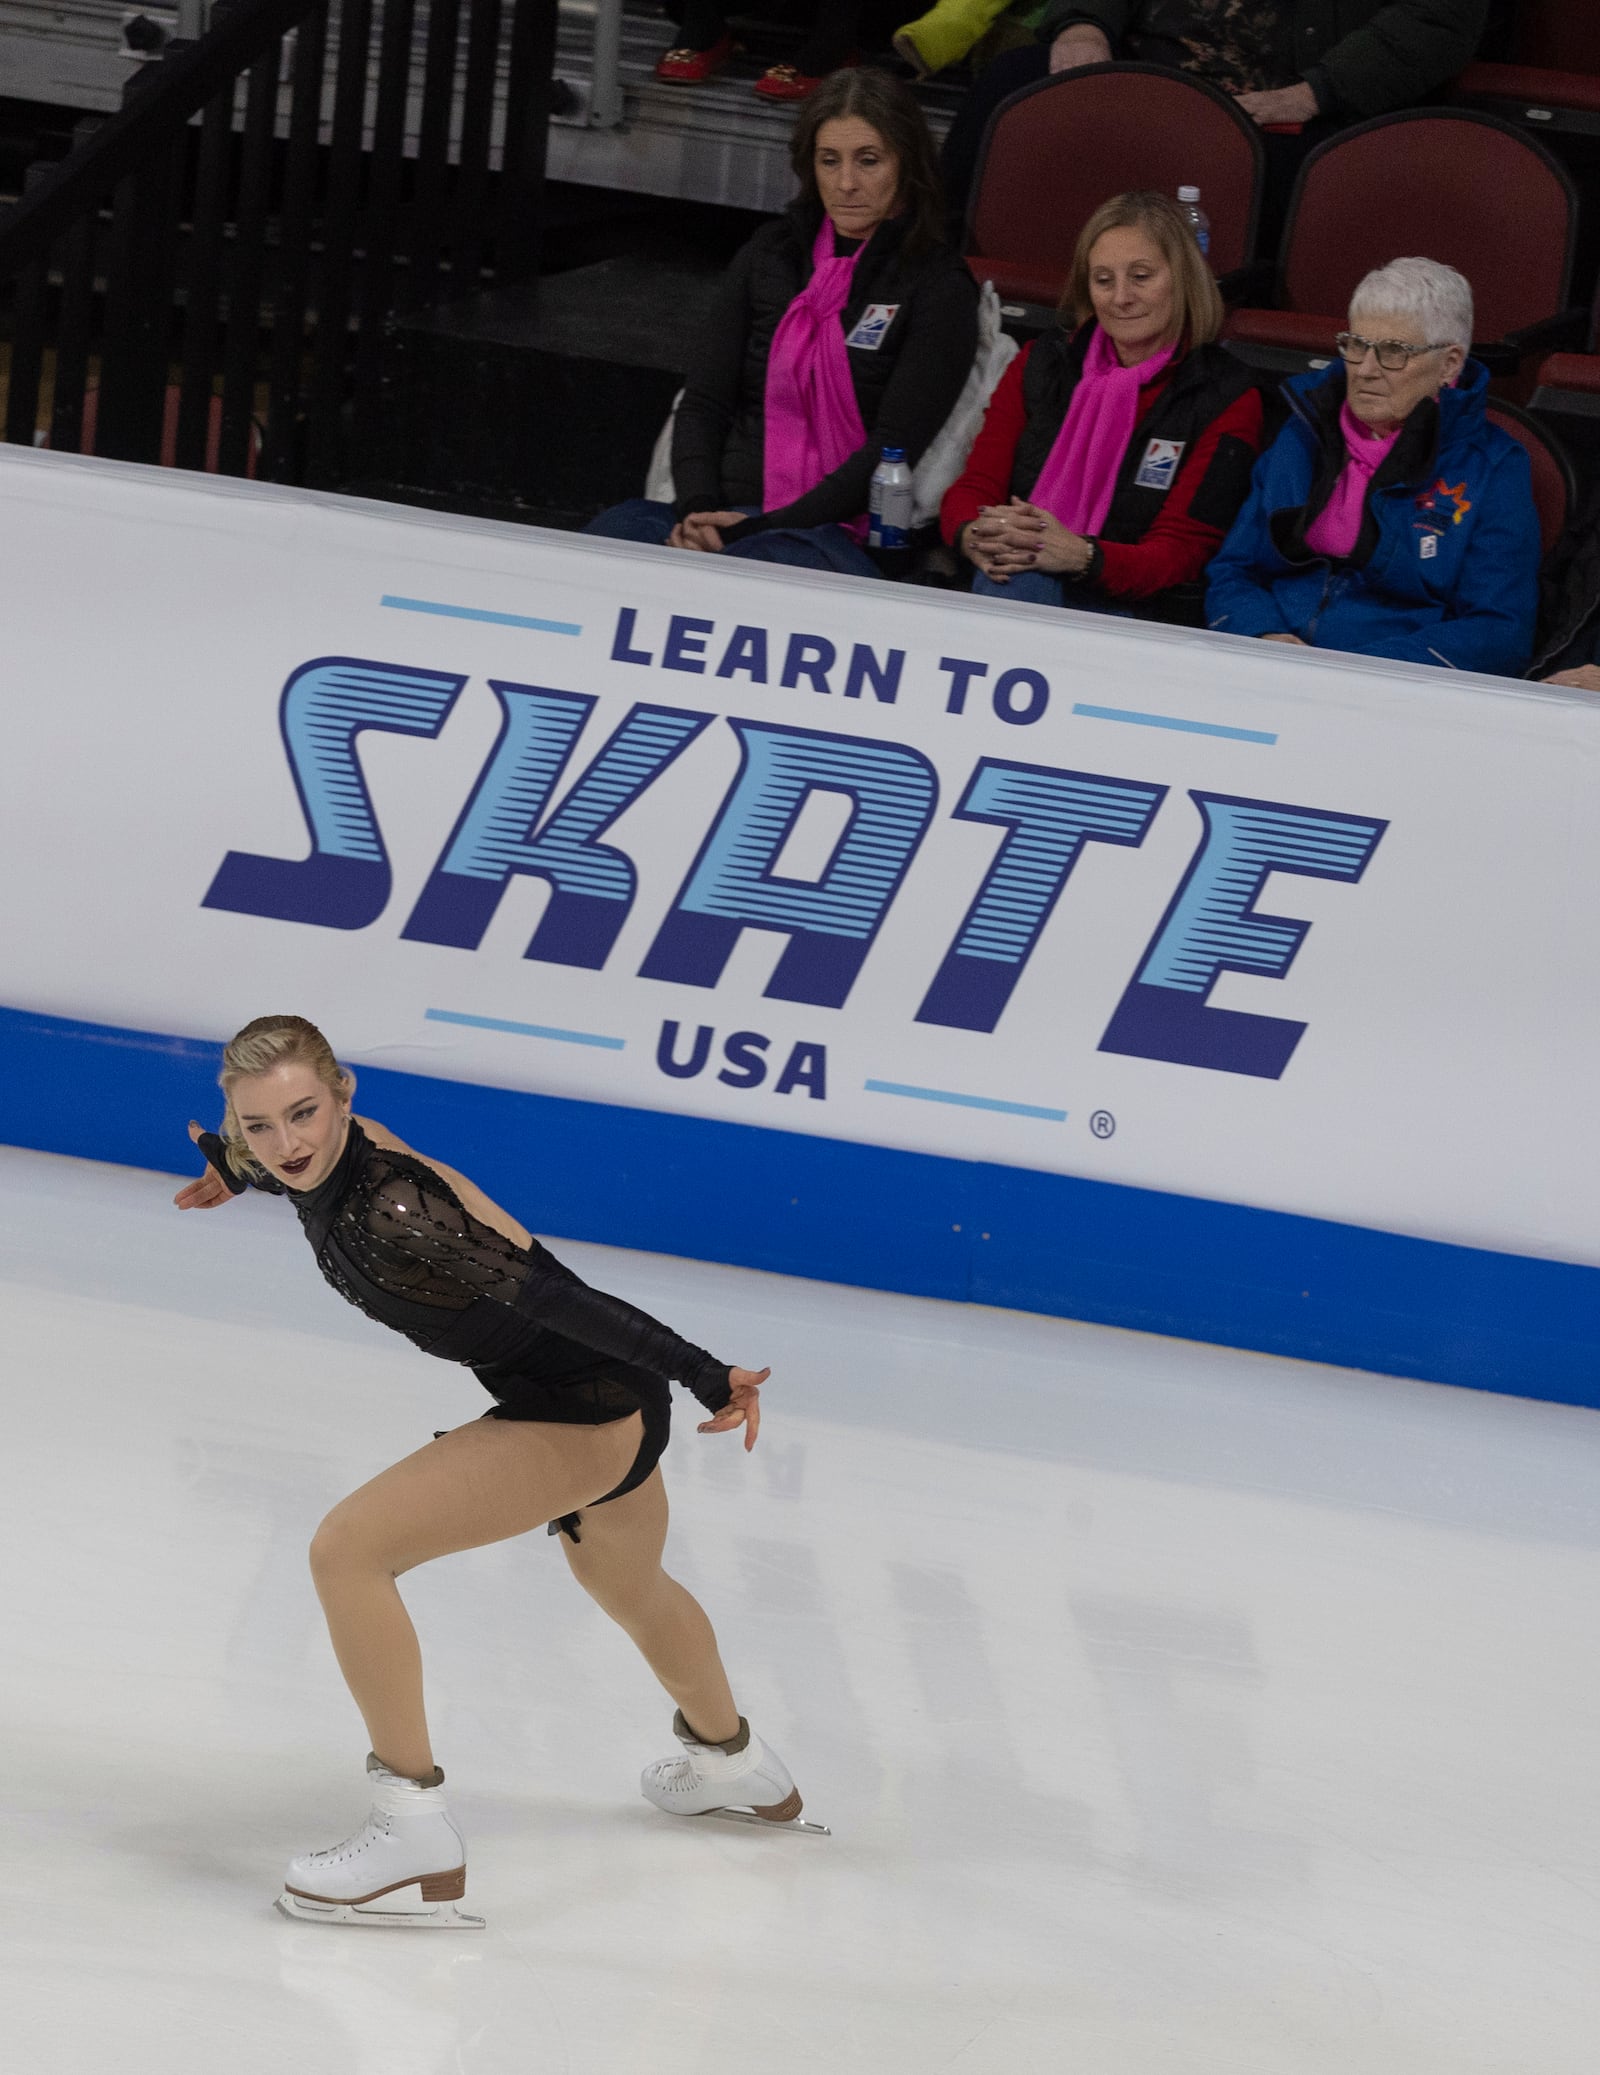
1160,464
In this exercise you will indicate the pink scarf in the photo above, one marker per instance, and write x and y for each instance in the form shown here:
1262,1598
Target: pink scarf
813,422
1080,471
1336,528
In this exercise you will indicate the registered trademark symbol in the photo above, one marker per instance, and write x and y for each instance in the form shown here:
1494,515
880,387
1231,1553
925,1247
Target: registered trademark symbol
1102,1124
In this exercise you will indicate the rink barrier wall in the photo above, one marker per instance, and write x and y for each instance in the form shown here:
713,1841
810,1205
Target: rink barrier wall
880,1218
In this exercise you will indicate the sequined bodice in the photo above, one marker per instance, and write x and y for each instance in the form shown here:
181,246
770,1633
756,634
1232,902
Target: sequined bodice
395,1240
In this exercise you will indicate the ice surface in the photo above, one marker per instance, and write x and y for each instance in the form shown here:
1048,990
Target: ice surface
1175,1710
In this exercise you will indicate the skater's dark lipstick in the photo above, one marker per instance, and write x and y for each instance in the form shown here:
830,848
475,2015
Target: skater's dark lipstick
297,1166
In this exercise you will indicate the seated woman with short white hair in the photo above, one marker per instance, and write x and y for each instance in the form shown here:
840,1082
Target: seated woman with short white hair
1389,517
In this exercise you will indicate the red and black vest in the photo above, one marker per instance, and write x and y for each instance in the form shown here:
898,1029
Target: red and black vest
1198,390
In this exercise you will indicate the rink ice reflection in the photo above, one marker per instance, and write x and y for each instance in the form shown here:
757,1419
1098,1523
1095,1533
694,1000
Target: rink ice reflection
1174,1709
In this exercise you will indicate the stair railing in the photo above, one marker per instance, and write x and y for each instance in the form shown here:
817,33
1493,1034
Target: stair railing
225,252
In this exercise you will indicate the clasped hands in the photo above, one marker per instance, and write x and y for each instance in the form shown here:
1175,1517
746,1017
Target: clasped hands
702,531
1082,43
1005,539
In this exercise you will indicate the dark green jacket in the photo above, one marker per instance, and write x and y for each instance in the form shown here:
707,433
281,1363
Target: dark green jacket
1360,57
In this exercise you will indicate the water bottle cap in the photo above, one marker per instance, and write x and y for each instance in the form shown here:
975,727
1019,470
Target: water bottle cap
894,453
1188,194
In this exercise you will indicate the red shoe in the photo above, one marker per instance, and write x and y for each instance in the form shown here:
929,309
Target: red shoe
788,83
690,67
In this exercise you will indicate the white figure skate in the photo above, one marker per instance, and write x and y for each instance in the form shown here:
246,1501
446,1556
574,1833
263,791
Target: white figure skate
741,1781
406,1867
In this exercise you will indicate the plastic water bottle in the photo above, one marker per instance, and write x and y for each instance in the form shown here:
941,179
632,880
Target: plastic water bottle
889,505
1196,218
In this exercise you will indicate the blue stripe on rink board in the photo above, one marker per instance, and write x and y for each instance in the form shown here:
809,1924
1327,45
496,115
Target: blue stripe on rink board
538,1030
966,1102
473,612
1166,720
891,1220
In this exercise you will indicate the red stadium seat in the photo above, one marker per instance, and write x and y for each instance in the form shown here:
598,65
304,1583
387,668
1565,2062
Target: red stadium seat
1568,382
1055,151
1567,385
1554,484
1448,184
1553,86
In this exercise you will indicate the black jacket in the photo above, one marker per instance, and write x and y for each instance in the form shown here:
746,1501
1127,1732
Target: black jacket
1569,619
1207,381
906,387
1359,57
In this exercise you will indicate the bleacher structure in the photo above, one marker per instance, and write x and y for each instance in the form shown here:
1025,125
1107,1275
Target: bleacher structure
614,124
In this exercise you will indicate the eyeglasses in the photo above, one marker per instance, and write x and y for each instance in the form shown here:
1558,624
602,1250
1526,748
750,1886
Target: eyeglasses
1393,354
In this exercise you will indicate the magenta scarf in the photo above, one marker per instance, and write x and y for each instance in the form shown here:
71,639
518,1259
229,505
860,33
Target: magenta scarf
813,422
1080,471
1336,528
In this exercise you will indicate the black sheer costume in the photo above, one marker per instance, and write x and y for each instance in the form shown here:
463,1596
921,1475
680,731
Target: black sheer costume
394,1240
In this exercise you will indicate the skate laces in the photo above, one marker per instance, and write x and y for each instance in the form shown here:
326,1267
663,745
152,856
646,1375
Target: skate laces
377,1820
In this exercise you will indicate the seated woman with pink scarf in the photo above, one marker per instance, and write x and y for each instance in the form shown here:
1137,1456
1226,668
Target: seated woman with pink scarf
844,326
1118,448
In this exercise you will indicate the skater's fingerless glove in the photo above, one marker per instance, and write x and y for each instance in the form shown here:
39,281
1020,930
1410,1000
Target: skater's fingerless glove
214,1147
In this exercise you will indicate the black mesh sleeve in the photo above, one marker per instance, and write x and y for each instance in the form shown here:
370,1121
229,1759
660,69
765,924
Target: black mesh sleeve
424,1245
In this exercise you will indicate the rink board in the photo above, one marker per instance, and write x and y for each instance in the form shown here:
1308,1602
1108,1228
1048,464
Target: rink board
1219,988
886,1219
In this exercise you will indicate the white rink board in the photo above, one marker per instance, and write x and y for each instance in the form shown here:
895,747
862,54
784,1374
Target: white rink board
1441,1084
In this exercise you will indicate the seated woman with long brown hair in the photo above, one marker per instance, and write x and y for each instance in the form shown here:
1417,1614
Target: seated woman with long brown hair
844,326
1117,449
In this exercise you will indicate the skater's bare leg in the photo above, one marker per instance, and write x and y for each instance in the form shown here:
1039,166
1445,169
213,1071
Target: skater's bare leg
481,1483
618,1563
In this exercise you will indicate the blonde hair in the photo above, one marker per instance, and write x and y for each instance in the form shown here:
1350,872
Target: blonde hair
268,1042
1196,302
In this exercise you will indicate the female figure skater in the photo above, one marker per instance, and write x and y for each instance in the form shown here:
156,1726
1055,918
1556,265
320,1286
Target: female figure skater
580,1422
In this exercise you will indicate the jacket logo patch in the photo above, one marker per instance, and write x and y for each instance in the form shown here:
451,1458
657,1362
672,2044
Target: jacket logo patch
871,326
1447,500
1160,464
1428,546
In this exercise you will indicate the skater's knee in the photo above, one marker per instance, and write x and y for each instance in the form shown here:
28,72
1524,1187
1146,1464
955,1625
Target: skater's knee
339,1546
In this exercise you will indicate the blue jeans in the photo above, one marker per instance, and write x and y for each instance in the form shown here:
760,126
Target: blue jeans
795,547
1034,587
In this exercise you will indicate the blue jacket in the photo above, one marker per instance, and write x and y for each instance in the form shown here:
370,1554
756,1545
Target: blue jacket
1446,568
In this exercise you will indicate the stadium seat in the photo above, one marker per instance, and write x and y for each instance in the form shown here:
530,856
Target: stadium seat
1449,184
1570,383
1055,151
1554,484
1566,386
1553,87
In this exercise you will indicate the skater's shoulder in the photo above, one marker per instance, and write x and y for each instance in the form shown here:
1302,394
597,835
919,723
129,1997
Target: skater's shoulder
395,1182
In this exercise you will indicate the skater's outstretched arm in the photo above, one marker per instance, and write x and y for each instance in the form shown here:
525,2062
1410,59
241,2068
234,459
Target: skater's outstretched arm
429,1243
431,1234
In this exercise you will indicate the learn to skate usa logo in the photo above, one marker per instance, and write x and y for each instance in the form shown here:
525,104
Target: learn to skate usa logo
512,824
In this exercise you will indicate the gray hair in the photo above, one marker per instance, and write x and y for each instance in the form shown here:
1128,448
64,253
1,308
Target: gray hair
1437,296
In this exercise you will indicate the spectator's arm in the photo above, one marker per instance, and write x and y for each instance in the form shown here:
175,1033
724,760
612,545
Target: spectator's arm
711,394
1114,18
1240,598
1581,652
1497,598
1401,55
930,372
1200,507
986,478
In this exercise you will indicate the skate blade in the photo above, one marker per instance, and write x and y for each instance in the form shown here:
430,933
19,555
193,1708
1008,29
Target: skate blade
418,1916
748,1815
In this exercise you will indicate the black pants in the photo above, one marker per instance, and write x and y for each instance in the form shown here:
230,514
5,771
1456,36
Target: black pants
833,28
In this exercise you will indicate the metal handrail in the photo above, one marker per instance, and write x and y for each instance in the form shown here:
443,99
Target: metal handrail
604,108
175,274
